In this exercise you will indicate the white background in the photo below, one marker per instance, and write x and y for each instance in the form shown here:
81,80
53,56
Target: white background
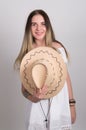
68,18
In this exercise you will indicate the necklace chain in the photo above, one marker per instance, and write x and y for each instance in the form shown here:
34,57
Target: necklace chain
49,106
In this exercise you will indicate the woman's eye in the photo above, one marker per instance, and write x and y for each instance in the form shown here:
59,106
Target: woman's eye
43,23
33,24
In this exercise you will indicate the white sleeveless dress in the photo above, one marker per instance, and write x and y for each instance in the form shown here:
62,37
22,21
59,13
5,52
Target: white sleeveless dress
59,117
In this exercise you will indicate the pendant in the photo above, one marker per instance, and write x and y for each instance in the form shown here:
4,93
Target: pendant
46,121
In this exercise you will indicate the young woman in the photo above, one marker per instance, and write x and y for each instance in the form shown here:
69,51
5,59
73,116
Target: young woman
57,113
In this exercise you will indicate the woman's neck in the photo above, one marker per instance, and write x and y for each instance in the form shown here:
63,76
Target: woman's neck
40,43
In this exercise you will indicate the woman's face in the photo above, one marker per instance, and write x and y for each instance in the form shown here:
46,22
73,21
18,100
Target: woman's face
38,27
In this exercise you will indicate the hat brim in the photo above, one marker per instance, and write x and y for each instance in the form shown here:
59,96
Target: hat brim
56,70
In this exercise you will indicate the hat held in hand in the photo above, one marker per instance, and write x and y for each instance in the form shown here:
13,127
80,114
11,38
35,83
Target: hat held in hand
43,66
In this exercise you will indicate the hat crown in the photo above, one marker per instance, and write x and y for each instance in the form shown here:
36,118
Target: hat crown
39,73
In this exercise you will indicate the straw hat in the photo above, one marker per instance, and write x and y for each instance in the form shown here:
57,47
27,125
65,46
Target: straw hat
43,65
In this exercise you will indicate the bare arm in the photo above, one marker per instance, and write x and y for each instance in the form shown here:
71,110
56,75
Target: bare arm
27,95
37,96
71,96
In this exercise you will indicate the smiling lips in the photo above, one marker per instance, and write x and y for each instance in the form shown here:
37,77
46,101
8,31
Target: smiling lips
38,33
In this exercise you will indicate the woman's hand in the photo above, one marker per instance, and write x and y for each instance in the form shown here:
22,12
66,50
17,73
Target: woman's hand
39,93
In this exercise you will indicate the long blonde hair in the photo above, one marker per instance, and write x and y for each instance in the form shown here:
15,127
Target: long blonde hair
29,40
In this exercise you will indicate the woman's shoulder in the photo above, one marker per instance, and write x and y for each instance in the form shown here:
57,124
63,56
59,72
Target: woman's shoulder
61,49
56,45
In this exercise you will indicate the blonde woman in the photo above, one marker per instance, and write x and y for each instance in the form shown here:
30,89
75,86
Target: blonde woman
50,114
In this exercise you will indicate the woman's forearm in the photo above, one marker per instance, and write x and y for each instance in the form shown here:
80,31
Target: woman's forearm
70,90
71,98
27,95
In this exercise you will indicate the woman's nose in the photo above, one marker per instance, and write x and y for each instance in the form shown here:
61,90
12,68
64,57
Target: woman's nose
38,27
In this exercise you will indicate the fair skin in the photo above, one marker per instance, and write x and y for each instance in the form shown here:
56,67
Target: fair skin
38,30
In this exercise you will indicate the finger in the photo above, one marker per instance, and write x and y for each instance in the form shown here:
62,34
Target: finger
44,87
41,96
38,90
